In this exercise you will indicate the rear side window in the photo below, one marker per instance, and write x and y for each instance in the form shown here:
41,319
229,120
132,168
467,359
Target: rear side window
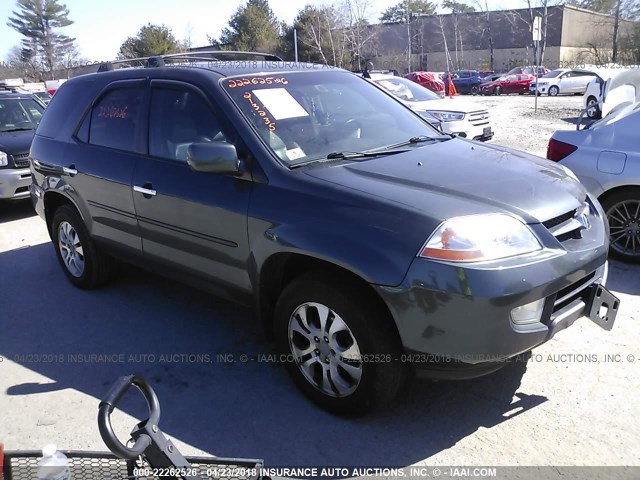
65,108
115,119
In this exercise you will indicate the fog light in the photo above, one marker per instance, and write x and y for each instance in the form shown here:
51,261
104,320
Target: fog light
529,313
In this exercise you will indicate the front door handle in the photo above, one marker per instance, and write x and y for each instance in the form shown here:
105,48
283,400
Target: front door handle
146,189
70,170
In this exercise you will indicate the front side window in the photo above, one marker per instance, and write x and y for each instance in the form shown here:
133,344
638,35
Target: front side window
177,119
115,119
19,114
305,116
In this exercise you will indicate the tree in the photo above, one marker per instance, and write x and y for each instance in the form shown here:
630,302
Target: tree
254,27
483,6
39,22
320,34
150,40
360,36
398,13
456,9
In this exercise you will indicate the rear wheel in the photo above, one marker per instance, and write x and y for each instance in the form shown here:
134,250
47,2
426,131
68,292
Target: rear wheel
475,90
554,91
342,351
82,261
593,109
623,213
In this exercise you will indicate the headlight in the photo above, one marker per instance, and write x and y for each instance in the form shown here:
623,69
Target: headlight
480,237
447,116
4,160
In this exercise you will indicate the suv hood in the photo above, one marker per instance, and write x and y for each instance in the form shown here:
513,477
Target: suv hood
459,177
448,105
16,142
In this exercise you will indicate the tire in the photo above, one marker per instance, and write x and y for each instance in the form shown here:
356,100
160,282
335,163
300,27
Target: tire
349,387
475,90
80,258
553,91
593,110
497,91
623,214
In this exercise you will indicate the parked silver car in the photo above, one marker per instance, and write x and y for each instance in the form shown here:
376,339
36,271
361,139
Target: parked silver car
605,156
561,81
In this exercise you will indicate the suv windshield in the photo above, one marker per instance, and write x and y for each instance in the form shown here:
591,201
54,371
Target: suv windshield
407,90
305,116
19,114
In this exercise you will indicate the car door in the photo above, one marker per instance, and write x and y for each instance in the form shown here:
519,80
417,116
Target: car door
522,84
582,80
510,84
100,167
189,220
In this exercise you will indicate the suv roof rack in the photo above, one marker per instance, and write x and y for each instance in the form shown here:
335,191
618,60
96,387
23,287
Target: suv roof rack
204,55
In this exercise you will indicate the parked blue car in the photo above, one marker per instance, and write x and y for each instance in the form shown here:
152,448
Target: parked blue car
465,81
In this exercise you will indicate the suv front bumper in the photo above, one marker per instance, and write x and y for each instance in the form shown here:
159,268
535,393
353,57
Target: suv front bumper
14,183
460,315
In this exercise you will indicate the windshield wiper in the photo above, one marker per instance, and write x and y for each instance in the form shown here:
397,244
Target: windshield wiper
17,129
349,156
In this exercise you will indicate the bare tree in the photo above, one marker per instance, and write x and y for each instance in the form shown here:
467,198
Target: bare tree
483,6
360,35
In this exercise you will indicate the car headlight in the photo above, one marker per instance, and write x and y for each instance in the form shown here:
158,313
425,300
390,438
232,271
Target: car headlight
477,238
447,116
4,160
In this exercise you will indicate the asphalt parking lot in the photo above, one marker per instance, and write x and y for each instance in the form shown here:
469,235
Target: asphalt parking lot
573,403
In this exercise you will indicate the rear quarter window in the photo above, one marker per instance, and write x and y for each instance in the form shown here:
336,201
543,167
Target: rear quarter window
65,109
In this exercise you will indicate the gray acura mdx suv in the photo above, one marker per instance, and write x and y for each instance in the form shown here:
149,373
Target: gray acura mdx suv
371,245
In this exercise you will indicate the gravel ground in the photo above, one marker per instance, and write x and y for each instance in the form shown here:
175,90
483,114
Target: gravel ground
574,403
518,125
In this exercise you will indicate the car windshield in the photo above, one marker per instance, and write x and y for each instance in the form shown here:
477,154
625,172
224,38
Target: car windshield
552,74
304,116
407,90
19,114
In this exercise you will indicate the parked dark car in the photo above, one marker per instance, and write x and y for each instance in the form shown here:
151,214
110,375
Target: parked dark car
20,115
370,244
508,84
465,81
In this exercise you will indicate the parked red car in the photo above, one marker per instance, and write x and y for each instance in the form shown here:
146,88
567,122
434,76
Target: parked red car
429,80
509,84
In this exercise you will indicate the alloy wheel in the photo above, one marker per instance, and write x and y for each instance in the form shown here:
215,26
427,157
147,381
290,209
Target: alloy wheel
592,108
624,225
71,249
325,349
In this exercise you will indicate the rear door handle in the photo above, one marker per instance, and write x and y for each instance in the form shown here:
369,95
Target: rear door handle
145,191
70,170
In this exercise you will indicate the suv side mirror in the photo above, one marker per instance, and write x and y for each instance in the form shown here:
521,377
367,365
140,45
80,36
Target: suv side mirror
213,157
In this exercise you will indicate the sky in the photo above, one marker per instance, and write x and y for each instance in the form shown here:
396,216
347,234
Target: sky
101,26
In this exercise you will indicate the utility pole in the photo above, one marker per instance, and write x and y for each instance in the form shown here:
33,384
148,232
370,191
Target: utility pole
536,35
295,43
408,8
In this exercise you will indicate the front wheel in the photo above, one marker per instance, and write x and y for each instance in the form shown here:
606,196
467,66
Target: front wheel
84,264
593,109
342,351
623,213
497,91
554,91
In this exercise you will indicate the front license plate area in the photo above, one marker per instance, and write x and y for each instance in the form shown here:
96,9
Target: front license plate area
486,132
603,307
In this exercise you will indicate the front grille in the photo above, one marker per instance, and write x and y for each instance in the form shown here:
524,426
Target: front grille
554,222
21,160
479,118
568,294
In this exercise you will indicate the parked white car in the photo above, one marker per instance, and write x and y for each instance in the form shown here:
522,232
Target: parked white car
594,96
562,81
457,116
605,156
